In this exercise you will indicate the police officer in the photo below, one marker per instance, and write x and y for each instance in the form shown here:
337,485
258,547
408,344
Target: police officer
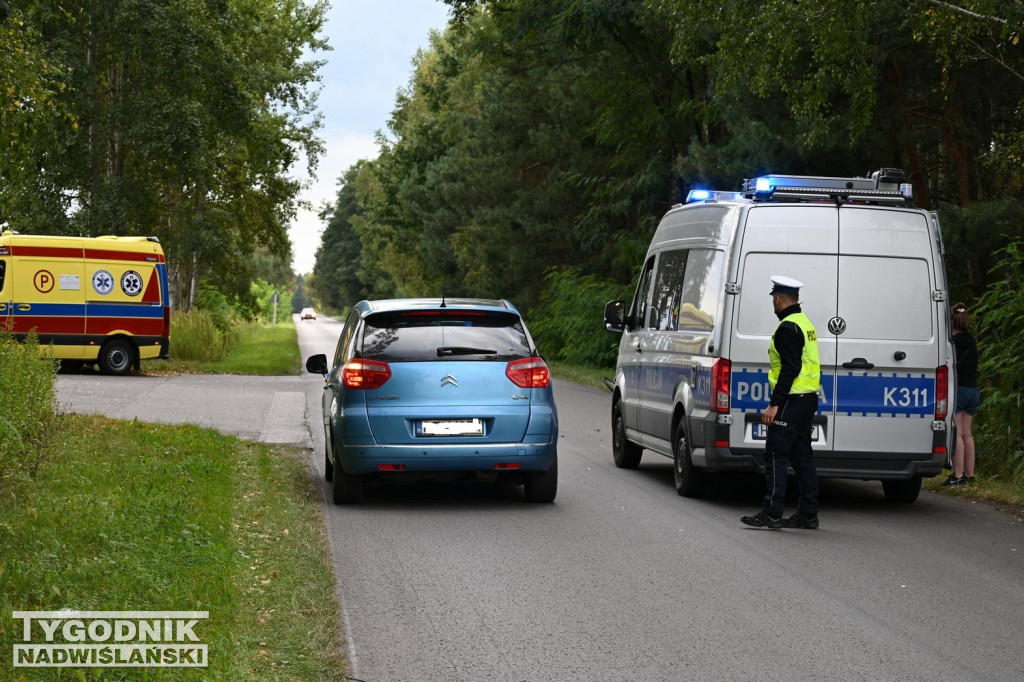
795,378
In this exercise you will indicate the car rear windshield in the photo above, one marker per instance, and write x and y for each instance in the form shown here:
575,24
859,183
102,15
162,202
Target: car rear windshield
432,336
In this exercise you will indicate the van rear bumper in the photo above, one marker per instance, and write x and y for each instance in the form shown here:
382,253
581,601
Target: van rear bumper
882,467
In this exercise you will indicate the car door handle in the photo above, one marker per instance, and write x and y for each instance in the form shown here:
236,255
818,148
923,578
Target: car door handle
858,363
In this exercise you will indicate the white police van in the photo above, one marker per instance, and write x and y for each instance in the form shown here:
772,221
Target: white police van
692,374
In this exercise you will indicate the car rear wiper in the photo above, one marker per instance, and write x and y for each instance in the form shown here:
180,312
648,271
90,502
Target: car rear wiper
463,350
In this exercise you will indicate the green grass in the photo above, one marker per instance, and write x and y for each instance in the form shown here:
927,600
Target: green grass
588,376
261,350
138,517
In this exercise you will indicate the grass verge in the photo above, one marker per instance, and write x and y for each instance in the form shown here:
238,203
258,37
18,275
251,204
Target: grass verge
262,350
139,517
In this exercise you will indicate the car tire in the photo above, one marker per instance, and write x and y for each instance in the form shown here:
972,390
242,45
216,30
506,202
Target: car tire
625,453
348,488
116,357
903,492
690,481
328,463
542,486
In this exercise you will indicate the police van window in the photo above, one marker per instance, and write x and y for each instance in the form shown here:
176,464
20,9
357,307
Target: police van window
869,284
640,309
817,298
668,288
701,292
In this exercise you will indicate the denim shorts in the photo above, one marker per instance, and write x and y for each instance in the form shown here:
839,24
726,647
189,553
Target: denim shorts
967,400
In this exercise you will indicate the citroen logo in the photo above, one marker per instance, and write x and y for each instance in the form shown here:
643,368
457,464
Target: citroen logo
448,379
837,325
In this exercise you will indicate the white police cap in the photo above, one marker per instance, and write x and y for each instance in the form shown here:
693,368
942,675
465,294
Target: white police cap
785,285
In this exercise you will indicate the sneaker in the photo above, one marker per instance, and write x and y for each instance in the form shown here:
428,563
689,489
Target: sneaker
801,520
953,480
967,480
763,520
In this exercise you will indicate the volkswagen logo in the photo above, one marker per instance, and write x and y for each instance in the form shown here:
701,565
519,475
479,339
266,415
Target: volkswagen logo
837,325
448,379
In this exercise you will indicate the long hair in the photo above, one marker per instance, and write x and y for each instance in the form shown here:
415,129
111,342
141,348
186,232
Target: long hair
961,320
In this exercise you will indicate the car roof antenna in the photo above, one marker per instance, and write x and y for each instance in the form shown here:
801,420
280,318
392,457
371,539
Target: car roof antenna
444,285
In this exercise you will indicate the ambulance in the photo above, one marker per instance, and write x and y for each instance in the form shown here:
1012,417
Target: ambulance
692,372
101,300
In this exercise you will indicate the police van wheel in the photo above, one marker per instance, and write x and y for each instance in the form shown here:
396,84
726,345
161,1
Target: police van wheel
116,357
690,481
625,453
903,492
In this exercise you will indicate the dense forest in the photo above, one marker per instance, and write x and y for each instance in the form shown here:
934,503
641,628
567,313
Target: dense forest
531,153
175,118
539,141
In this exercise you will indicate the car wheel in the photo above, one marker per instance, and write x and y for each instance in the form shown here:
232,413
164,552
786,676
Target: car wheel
690,481
542,486
625,453
348,488
903,492
328,464
116,357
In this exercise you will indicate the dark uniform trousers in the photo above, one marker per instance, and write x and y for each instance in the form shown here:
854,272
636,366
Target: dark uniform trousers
789,444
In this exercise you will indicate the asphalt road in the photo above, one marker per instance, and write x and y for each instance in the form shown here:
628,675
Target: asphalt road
621,579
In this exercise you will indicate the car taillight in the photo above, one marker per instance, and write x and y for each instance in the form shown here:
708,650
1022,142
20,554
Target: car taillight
529,373
365,374
720,370
941,392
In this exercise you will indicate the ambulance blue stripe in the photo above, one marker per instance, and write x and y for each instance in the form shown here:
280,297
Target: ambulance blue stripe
95,310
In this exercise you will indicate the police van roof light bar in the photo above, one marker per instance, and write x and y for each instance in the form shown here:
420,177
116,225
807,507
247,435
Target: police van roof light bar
887,185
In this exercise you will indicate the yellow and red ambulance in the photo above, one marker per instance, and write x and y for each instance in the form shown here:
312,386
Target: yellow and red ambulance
97,300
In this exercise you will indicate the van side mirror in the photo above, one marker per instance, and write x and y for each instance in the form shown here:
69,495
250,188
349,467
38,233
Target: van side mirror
615,316
317,364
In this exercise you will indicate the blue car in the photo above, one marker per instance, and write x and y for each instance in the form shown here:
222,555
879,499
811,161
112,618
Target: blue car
438,389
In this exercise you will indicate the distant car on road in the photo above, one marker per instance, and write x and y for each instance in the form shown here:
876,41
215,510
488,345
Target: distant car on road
438,389
307,314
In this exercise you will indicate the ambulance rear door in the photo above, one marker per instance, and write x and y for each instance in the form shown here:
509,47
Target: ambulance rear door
47,293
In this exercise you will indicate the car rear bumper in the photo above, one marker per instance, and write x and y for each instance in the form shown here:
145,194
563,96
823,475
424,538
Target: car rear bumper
439,457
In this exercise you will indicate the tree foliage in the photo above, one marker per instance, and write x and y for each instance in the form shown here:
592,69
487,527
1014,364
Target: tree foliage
183,118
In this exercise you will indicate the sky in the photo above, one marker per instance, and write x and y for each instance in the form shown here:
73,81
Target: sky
374,44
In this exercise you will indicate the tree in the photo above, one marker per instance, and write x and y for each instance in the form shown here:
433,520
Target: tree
190,115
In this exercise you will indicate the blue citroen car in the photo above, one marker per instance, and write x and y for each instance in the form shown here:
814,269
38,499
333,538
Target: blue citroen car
438,389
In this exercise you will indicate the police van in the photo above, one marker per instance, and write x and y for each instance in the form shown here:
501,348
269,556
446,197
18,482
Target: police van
100,300
692,372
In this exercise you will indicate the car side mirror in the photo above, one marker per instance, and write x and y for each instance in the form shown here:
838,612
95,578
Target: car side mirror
615,316
317,364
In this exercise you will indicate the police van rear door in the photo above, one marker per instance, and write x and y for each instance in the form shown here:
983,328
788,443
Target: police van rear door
885,331
798,241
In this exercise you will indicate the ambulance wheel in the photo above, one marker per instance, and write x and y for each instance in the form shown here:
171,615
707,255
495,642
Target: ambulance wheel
116,357
625,453
903,492
690,481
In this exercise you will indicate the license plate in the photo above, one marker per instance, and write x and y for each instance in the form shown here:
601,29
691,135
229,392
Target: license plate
760,432
450,427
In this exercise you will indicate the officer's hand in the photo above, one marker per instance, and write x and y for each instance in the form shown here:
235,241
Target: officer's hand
768,416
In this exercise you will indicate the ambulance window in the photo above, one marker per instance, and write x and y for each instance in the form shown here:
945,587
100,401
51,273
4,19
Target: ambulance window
640,309
668,290
3,273
702,289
